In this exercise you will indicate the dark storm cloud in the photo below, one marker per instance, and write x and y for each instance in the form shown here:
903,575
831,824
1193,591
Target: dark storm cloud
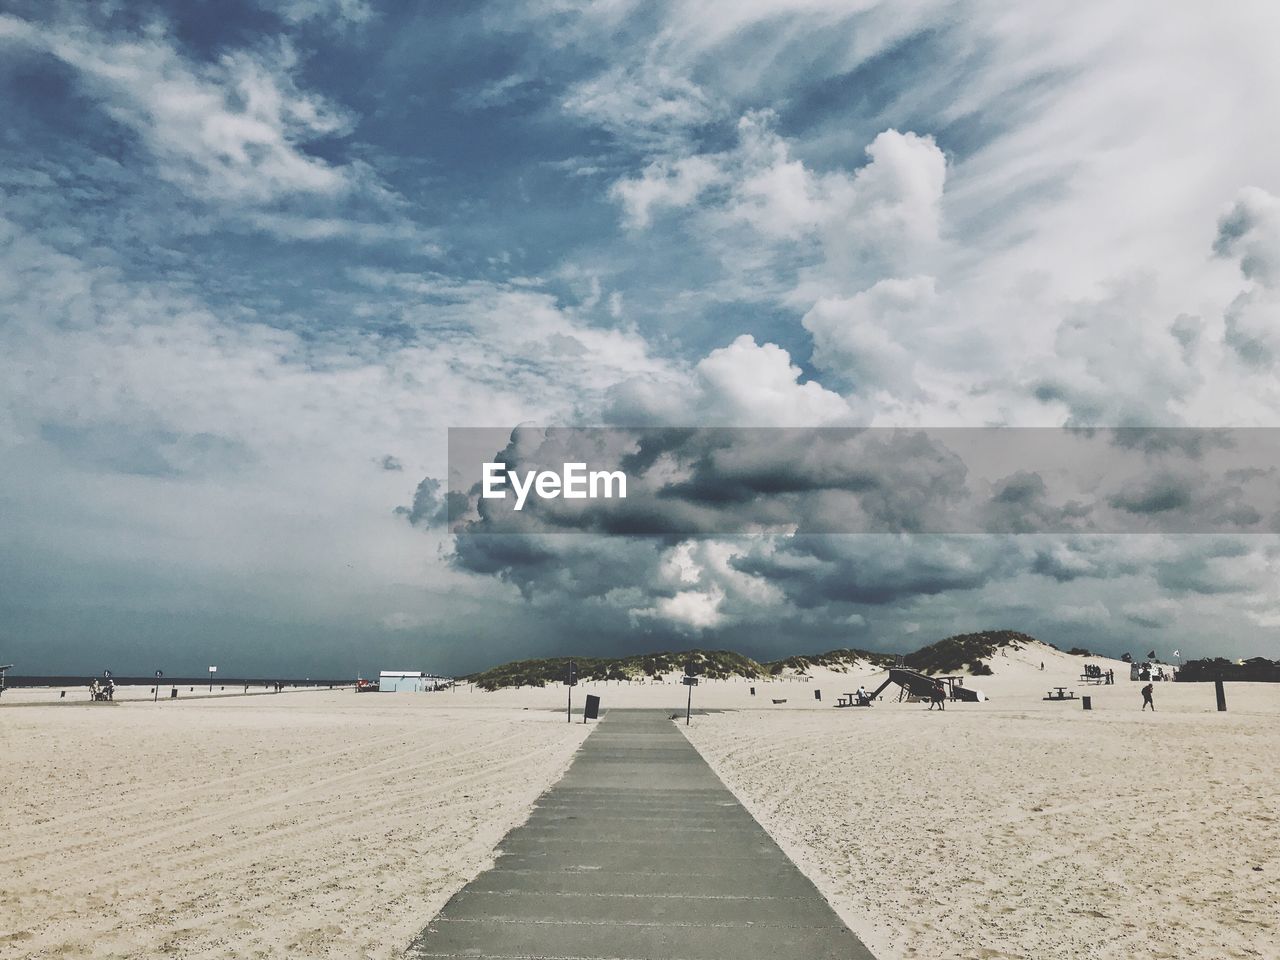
1157,495
1207,569
1152,621
560,568
429,509
819,571
718,481
1020,504
1192,443
1199,501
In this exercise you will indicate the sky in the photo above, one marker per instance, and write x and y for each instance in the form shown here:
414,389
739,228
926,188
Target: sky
257,257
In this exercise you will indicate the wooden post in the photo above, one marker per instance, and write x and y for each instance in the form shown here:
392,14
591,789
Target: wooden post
1222,696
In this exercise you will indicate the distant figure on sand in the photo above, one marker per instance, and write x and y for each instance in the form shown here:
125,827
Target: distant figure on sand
862,695
1146,699
939,697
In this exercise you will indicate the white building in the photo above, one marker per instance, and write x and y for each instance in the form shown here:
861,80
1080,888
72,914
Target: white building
410,681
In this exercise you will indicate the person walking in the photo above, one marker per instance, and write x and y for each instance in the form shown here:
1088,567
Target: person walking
939,697
1146,699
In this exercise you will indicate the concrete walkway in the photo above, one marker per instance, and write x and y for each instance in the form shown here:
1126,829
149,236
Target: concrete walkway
639,853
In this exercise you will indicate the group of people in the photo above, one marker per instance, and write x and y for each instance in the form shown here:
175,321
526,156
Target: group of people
102,691
1093,670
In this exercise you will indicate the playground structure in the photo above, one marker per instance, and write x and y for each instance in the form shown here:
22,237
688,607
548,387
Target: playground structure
919,685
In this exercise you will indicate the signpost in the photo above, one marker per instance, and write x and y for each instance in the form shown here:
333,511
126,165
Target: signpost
212,671
690,680
156,698
570,681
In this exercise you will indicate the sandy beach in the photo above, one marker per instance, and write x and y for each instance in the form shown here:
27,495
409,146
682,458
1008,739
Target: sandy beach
1034,830
335,824
317,824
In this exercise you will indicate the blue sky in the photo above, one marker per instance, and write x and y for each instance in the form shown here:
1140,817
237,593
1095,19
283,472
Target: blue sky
249,251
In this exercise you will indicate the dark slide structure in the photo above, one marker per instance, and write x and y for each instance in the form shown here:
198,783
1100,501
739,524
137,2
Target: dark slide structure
919,685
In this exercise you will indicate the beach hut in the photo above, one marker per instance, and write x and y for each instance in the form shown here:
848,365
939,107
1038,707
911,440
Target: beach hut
410,681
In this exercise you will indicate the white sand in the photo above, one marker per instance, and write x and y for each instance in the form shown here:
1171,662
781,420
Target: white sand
131,693
305,825
1024,829
336,824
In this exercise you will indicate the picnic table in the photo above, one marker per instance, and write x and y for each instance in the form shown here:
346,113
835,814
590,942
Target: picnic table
1062,694
851,700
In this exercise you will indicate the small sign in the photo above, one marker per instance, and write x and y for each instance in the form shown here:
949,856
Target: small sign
159,674
213,669
690,681
592,711
107,674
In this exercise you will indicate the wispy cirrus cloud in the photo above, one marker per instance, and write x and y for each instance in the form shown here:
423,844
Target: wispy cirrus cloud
234,129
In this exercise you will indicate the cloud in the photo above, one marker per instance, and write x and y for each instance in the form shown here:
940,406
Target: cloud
1116,364
723,480
770,213
430,507
1250,233
866,340
1154,614
1090,613
665,183
884,216
339,12
647,104
1217,567
233,129
743,384
757,384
